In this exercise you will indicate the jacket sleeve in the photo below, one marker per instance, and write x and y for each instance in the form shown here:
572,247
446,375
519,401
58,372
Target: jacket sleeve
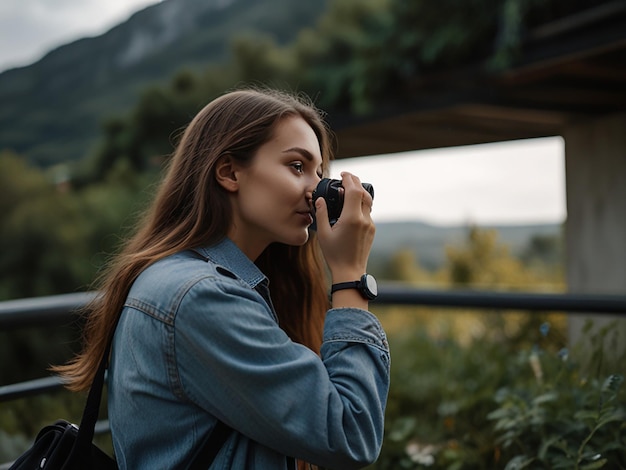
235,362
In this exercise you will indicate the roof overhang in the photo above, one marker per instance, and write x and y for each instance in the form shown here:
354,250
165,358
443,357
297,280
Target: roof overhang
570,70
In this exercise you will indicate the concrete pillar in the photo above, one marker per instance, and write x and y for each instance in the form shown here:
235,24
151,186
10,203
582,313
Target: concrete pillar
595,159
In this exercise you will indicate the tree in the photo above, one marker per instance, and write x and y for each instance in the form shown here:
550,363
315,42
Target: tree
403,266
483,262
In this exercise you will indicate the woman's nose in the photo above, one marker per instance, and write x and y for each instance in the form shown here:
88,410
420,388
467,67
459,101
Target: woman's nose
312,187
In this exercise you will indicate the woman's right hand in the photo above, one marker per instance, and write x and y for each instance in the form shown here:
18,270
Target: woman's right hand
346,245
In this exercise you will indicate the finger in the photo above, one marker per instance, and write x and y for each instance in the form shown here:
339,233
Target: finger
321,216
353,191
366,206
350,180
359,195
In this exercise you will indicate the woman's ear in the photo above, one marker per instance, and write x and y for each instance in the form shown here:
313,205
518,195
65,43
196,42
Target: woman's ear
226,173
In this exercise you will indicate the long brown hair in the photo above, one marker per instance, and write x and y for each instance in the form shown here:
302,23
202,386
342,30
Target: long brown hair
191,209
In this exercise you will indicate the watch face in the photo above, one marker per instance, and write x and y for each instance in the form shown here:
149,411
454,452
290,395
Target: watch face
370,284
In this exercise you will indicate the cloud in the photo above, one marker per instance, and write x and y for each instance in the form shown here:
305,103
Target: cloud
491,183
31,28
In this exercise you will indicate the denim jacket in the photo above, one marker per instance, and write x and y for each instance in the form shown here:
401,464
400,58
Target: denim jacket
199,341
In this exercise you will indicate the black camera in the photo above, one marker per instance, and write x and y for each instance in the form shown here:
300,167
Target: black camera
329,190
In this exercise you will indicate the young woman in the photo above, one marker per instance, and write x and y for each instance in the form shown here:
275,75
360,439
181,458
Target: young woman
223,305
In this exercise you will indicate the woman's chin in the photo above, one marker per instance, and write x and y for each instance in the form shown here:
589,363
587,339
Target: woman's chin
300,239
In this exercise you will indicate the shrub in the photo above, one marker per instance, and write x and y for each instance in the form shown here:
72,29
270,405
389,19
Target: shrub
500,404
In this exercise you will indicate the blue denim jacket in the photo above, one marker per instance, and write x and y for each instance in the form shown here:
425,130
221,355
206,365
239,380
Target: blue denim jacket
198,340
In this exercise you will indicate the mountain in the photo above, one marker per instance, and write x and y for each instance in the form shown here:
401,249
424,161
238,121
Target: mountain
52,110
428,242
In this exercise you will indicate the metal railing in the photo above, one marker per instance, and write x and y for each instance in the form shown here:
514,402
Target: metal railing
62,309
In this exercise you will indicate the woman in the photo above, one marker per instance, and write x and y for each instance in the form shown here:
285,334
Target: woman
224,305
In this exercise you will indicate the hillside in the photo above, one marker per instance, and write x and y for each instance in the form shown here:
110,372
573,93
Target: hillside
428,242
52,110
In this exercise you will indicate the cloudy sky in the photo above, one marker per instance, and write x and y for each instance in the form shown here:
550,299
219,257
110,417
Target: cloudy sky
508,183
30,28
519,182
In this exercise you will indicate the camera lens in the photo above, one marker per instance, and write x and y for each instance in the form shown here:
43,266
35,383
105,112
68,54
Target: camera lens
329,189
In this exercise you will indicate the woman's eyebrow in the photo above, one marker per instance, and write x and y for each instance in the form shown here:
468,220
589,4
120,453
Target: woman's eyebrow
304,152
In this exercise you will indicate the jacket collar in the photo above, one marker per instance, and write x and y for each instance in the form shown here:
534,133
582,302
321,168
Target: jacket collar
228,255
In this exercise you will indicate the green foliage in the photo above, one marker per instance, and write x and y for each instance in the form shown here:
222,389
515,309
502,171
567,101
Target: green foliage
439,396
57,235
257,59
499,403
51,111
59,238
484,262
39,224
562,419
545,253
341,59
475,390
402,266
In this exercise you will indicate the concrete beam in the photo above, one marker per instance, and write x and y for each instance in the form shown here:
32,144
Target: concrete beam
595,158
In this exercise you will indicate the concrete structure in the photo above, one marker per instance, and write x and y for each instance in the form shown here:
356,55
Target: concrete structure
596,205
596,222
570,81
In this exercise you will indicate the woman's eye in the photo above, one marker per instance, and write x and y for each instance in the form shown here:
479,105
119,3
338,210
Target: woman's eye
298,166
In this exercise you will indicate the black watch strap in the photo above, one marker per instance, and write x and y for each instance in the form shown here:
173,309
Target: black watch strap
366,286
344,285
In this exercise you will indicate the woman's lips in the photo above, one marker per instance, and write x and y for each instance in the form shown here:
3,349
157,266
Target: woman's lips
306,216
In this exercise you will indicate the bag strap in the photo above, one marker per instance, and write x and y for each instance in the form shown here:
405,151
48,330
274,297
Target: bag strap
84,438
214,442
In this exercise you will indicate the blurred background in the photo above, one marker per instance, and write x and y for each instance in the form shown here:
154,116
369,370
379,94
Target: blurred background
492,131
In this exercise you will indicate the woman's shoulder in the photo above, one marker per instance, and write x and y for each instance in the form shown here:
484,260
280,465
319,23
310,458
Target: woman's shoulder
185,282
181,271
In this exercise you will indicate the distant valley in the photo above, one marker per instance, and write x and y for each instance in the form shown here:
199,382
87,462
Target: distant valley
428,242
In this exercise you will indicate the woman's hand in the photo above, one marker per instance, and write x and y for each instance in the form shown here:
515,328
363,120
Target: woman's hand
346,245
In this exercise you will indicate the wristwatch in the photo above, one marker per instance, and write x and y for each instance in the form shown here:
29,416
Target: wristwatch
367,286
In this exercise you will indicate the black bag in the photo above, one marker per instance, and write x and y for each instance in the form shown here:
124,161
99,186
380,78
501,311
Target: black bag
53,448
64,446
